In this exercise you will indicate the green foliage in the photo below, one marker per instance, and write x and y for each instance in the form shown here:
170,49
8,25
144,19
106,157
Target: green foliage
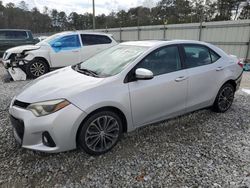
245,13
165,12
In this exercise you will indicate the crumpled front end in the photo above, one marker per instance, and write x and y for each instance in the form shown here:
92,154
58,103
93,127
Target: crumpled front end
15,67
14,61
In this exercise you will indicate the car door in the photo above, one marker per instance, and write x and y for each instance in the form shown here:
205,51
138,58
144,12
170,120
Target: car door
93,44
65,50
205,76
163,96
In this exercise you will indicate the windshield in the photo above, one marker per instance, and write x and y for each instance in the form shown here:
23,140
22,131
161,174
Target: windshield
113,60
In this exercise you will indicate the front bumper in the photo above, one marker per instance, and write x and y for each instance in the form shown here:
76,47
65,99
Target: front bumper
6,64
62,126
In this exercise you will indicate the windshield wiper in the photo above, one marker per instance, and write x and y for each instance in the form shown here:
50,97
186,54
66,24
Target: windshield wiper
86,71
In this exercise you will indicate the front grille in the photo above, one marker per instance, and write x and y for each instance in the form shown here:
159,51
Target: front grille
18,125
21,104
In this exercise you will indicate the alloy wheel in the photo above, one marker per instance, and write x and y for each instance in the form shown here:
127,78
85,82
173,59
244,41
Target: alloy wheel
102,133
226,98
37,69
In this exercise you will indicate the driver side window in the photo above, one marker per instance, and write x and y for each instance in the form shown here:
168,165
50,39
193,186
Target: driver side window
69,42
162,61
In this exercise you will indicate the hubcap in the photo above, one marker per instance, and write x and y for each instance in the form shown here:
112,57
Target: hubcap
102,133
226,98
37,69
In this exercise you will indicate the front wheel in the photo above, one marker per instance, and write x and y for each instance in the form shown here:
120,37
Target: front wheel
100,133
224,98
36,68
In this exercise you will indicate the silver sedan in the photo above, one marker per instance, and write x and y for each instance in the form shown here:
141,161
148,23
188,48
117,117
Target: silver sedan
90,105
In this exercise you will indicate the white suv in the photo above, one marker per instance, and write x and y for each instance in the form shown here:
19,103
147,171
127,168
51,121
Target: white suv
59,50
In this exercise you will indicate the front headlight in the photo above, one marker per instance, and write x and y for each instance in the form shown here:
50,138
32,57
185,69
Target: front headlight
47,107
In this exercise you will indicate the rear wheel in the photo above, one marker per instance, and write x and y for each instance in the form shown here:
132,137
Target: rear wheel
36,68
224,98
100,132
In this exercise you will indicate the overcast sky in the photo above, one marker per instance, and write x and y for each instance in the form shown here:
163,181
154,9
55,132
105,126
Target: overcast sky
82,6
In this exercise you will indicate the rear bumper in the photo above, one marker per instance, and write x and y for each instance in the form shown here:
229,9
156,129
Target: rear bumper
238,81
6,64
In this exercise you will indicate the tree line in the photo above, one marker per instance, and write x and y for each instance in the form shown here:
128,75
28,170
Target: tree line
165,12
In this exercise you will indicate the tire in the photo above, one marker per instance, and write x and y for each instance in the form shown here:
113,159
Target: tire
96,137
37,67
224,98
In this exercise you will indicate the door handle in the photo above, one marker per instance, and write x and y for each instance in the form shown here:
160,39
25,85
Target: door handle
181,78
219,68
75,51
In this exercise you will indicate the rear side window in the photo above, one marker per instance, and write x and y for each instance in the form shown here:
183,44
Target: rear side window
13,35
214,56
197,55
95,39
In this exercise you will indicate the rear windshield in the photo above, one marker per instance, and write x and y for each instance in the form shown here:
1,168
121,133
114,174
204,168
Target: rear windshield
13,35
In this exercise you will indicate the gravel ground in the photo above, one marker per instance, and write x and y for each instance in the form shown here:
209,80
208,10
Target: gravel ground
201,149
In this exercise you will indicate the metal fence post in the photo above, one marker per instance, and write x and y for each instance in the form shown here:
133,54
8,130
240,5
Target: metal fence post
164,32
120,34
138,34
248,44
200,31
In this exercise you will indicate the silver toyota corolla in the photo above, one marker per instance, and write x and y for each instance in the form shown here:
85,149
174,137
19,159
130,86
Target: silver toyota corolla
122,88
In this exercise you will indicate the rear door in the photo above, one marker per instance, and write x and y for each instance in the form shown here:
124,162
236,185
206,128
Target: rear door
93,44
204,68
163,96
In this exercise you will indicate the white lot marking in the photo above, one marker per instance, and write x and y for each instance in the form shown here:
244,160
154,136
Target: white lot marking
246,91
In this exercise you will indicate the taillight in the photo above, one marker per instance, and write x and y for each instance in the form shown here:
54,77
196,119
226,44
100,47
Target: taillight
240,63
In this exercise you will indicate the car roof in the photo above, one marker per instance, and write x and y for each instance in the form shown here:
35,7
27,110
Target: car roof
155,43
86,32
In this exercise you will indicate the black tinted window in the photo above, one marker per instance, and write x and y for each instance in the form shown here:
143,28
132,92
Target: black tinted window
214,56
196,55
95,39
13,35
163,60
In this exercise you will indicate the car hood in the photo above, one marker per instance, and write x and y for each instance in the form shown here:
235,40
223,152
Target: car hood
62,83
20,49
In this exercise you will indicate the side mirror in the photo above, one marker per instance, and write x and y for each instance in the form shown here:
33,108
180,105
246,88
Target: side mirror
57,44
143,74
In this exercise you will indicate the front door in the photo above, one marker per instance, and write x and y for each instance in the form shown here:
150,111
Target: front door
163,96
65,51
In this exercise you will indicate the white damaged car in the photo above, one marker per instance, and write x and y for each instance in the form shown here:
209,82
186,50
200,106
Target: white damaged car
59,50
